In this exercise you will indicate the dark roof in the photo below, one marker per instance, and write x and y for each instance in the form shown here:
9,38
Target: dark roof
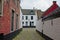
28,12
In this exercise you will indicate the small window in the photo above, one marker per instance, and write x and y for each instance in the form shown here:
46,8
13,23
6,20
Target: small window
16,21
26,17
22,22
31,17
22,17
1,7
12,21
26,23
31,11
32,23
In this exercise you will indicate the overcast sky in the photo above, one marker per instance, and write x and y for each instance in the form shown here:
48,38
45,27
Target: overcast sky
38,4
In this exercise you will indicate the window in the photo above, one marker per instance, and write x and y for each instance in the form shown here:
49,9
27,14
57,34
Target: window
31,11
26,23
31,17
22,22
22,17
12,21
16,2
26,17
1,7
8,1
31,23
16,21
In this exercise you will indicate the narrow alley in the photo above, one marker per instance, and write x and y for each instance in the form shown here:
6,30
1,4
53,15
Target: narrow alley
28,34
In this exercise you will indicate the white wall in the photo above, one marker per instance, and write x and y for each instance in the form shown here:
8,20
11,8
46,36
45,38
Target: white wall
29,19
39,25
53,31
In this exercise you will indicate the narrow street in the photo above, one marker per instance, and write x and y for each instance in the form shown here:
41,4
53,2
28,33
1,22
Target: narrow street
28,34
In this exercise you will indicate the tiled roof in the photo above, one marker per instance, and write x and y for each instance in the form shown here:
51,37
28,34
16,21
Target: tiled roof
28,12
50,9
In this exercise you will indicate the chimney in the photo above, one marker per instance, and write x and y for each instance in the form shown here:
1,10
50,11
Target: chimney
54,2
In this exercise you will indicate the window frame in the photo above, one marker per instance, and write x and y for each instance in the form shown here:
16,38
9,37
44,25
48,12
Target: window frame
26,17
26,23
22,17
2,8
31,17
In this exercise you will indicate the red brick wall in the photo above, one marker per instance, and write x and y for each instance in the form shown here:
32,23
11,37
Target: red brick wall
5,20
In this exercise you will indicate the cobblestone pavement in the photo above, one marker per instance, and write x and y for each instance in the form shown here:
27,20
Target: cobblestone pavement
28,34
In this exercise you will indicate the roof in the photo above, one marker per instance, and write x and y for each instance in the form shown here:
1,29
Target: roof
28,11
39,13
51,9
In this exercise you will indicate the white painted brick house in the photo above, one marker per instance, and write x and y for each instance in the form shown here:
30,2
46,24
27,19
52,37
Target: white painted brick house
28,18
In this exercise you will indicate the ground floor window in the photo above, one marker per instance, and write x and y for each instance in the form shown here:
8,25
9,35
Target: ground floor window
26,23
12,21
31,23
23,23
16,21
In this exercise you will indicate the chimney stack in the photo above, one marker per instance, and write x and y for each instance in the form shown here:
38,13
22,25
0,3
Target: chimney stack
54,2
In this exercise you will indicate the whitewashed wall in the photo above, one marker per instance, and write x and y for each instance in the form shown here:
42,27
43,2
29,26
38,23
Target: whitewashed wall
56,29
48,29
29,19
53,31
39,25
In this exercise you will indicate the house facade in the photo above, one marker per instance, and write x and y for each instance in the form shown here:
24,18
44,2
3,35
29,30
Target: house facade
49,24
9,16
28,18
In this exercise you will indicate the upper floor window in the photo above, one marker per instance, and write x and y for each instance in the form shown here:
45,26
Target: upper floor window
31,17
26,17
22,17
31,11
16,2
1,7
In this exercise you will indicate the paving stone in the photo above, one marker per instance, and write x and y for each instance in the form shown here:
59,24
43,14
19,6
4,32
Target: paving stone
28,34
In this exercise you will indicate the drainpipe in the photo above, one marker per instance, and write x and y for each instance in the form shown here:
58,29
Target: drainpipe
42,27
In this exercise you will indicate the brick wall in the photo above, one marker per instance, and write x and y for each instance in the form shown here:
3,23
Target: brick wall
5,23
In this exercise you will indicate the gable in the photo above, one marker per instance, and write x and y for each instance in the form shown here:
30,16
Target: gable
51,9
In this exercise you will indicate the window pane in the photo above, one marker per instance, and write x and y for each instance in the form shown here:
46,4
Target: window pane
12,23
31,17
22,22
31,23
26,23
22,17
26,17
16,21
0,7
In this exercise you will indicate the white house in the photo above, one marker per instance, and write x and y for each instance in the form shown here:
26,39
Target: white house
28,18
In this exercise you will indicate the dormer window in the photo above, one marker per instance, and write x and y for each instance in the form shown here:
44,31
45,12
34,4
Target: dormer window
31,11
1,7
